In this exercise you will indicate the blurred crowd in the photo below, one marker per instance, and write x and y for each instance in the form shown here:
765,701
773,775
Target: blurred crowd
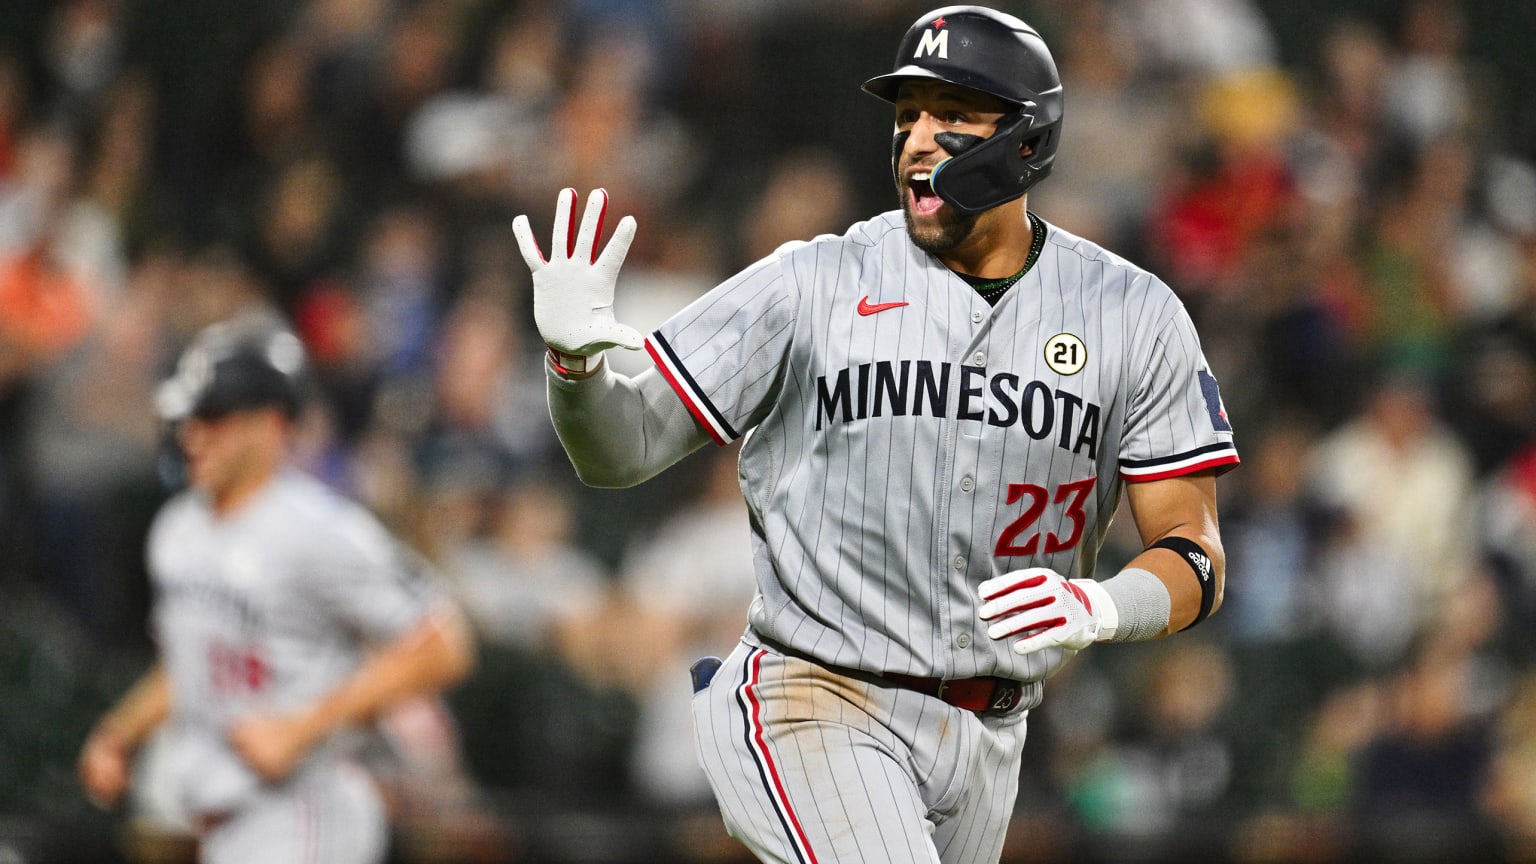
1343,194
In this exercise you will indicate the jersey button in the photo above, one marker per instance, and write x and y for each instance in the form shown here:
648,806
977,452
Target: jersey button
979,360
976,316
963,640
966,484
959,562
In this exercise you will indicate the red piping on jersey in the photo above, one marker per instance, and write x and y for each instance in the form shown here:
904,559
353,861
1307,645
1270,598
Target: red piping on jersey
683,394
1229,459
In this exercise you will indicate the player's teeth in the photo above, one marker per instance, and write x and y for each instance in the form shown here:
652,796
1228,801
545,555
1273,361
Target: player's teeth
921,176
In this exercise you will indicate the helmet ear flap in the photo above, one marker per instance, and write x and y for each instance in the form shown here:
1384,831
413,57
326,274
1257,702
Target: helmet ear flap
170,461
1042,147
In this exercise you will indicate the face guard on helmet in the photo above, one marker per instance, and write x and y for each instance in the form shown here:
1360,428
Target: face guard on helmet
990,52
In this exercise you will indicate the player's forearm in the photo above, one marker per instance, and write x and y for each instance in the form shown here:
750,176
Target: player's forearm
434,655
141,710
1183,578
620,431
1176,518
106,759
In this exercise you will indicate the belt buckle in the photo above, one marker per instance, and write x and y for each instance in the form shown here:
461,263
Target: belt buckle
939,693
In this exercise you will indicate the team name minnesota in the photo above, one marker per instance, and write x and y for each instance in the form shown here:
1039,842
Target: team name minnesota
918,387
213,598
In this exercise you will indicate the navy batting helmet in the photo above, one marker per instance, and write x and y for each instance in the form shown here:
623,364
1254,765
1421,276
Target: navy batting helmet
991,52
236,366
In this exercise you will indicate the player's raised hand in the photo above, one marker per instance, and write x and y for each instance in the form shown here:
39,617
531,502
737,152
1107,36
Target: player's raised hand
1046,609
573,287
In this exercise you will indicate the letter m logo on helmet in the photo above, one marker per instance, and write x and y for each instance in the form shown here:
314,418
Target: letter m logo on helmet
933,42
1000,55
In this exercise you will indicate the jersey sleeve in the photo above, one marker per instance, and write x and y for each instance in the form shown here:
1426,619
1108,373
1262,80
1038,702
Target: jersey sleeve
723,354
158,539
1176,423
368,580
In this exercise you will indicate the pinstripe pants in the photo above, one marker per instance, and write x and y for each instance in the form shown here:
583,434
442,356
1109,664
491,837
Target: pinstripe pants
331,816
812,767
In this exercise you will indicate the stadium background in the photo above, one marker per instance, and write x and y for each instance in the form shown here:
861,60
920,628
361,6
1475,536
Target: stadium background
1342,192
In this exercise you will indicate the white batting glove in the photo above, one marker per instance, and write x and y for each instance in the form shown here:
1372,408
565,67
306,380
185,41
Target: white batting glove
1047,609
573,289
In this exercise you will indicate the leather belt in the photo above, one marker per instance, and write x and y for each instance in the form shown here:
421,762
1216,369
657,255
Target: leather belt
206,822
985,695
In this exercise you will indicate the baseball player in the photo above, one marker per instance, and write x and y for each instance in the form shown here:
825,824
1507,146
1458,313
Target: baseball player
941,409
285,618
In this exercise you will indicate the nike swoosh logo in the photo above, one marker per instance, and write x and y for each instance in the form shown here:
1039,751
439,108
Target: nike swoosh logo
868,308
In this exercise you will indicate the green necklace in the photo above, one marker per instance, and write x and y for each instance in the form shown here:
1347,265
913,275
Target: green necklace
990,291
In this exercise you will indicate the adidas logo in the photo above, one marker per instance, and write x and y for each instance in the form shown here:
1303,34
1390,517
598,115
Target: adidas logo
1201,564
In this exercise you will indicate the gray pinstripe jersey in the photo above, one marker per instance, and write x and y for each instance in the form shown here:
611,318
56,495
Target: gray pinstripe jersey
906,441
266,611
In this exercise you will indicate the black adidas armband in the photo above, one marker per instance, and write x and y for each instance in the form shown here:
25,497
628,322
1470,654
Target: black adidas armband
1199,561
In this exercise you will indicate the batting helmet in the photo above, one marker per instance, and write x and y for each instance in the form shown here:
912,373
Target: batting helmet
235,366
991,52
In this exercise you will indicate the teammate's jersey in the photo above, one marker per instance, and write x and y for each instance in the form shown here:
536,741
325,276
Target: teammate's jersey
906,441
266,611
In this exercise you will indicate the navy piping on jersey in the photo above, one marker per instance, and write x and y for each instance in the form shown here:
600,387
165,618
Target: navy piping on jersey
1222,456
695,394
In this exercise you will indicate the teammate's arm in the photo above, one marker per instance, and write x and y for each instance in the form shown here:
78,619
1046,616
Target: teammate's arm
106,757
1179,507
434,654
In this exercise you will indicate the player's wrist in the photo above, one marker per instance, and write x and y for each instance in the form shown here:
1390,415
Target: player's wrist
1141,603
574,367
1103,607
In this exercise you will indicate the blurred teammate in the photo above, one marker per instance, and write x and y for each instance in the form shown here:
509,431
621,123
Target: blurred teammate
286,618
941,410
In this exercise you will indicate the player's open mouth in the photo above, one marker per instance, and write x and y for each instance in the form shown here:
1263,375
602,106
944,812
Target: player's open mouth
924,201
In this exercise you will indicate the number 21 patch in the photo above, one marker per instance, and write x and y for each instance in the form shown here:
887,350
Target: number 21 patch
1065,354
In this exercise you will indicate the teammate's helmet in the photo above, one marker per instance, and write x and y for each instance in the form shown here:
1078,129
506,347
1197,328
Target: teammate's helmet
233,366
996,53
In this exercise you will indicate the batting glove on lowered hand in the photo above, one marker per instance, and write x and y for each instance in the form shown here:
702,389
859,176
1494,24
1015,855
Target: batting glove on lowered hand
573,289
1047,610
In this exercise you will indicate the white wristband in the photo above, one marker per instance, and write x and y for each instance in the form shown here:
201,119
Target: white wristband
572,366
1103,606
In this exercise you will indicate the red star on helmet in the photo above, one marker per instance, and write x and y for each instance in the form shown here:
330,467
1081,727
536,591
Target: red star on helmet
939,21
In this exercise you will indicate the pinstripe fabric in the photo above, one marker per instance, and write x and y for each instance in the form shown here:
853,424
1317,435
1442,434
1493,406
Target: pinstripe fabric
894,460
264,612
324,817
306,840
809,766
